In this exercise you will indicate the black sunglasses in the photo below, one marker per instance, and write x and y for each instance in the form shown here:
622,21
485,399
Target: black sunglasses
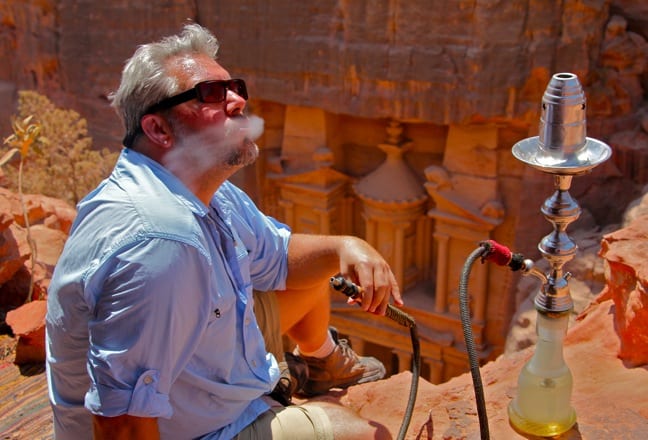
206,91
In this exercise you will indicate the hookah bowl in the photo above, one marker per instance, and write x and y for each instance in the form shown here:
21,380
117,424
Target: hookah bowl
542,404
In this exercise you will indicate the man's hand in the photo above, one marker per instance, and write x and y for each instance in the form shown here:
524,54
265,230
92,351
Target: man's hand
313,258
362,264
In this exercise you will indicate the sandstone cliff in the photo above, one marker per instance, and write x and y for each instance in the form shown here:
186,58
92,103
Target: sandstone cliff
428,61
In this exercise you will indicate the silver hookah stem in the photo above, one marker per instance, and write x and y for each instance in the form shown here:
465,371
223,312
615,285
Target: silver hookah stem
563,150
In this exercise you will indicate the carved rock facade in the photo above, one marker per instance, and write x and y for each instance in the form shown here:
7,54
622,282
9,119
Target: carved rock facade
460,82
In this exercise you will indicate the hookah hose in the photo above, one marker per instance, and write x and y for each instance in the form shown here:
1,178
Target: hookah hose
355,292
464,311
492,251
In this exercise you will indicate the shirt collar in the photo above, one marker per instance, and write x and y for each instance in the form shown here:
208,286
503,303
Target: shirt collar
170,181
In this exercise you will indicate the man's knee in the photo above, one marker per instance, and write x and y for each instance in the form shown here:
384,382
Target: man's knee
348,425
308,422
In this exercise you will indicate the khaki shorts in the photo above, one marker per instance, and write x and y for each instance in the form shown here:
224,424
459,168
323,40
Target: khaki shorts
266,310
296,422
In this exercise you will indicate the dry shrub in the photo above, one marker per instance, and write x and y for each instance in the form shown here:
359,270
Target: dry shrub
66,167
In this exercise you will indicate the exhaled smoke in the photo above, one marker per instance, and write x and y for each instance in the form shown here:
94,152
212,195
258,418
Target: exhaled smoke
244,127
255,127
214,149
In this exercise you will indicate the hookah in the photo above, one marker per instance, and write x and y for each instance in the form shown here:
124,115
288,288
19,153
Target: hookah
542,405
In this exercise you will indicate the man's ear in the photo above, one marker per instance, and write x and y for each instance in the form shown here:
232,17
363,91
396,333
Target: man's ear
157,129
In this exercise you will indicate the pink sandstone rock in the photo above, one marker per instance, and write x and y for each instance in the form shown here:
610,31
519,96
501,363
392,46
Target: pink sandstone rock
606,350
6,218
625,253
56,213
14,251
608,396
50,221
28,324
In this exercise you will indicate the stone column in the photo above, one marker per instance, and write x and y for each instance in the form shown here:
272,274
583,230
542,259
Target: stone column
466,209
393,203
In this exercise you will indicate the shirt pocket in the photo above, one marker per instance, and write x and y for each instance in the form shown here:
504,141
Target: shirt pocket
223,309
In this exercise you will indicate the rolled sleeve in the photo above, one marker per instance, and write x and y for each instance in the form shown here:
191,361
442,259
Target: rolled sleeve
146,401
142,401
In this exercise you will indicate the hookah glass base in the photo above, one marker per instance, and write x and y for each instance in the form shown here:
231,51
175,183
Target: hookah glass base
542,405
543,421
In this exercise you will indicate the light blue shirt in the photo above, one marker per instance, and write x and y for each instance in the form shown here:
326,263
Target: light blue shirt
150,309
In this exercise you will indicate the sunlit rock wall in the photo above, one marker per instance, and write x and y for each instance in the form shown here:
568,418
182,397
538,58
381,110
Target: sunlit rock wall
462,79
436,61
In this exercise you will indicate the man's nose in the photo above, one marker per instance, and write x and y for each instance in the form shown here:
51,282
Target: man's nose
234,103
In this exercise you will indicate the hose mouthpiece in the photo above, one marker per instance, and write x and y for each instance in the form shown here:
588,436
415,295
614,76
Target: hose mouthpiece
345,286
354,292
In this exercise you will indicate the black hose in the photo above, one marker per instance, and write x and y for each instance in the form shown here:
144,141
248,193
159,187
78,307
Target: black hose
416,367
406,320
352,291
466,324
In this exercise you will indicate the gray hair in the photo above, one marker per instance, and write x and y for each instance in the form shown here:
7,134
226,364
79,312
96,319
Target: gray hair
145,81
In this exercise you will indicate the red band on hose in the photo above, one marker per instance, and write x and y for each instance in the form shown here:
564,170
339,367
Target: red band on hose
499,254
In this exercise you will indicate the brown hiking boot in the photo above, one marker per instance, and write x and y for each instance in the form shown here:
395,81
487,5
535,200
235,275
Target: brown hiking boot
294,373
340,369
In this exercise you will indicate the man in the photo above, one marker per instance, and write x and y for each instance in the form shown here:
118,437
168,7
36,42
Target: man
152,329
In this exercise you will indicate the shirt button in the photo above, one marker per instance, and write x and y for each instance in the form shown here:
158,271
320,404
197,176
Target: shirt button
148,380
254,363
